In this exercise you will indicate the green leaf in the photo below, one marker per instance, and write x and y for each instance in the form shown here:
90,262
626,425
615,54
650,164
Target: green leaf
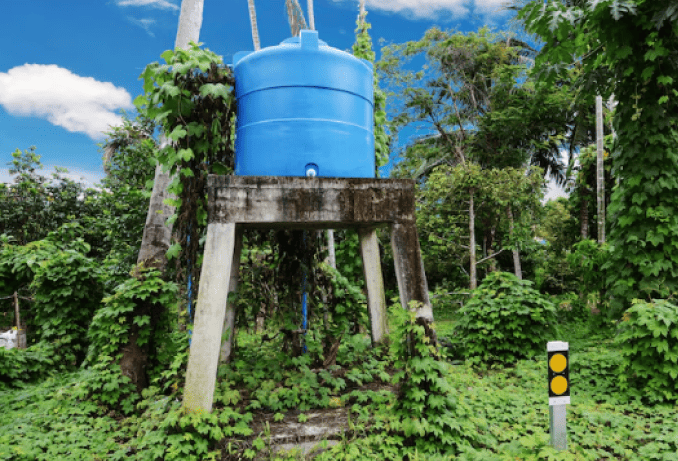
173,251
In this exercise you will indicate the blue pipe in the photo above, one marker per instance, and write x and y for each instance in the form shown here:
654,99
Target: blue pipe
190,332
304,309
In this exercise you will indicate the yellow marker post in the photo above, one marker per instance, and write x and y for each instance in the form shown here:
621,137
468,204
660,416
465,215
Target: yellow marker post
559,391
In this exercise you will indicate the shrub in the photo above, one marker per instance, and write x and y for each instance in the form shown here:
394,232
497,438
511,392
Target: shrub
649,344
505,320
67,294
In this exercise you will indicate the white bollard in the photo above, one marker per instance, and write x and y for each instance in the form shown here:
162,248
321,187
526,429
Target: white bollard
559,391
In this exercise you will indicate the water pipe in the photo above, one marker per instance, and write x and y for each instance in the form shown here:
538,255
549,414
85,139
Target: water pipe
304,295
311,171
188,241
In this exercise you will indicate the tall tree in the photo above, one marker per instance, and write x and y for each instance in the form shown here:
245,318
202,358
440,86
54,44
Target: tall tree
471,101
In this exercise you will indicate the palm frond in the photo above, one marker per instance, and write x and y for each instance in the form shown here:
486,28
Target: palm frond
295,16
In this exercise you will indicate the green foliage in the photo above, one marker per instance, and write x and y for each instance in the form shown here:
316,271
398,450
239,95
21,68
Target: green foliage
192,99
474,99
505,320
130,157
35,205
559,230
173,434
110,331
22,366
428,413
443,216
505,408
346,304
586,261
362,48
583,189
649,345
65,289
67,293
45,423
628,48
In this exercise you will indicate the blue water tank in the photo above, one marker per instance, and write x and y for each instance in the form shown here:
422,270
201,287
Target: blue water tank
304,108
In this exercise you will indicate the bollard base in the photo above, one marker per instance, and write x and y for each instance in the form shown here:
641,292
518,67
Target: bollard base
557,426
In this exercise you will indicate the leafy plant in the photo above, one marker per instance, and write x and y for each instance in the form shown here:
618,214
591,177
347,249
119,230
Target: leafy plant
586,261
191,97
18,367
428,413
67,294
110,332
505,320
649,345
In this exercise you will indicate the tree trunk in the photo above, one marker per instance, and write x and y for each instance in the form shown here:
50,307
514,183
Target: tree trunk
517,269
157,233
253,23
311,16
493,260
600,171
584,214
472,241
17,316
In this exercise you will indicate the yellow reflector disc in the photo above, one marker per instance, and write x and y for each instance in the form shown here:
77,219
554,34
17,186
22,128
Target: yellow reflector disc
558,363
559,385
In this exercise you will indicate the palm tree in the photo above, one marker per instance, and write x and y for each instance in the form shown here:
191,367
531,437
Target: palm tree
253,23
311,16
295,16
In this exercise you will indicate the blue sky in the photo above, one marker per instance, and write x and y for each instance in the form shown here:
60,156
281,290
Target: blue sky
68,67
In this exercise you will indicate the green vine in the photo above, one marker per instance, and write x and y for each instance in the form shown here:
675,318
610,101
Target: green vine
191,98
362,48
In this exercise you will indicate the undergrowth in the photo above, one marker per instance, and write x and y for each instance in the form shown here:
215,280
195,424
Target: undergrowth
490,413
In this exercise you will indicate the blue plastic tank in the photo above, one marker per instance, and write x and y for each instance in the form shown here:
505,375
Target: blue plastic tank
304,109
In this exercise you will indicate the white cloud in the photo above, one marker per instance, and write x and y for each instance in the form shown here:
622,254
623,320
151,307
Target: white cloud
5,177
144,24
435,9
78,104
419,9
161,4
491,7
84,177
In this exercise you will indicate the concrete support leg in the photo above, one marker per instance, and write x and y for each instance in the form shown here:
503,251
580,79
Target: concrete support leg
409,268
210,312
376,299
229,322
